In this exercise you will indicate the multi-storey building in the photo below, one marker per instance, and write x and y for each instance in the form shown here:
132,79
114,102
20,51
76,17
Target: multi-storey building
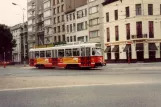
24,42
132,30
35,23
76,22
70,19
58,21
20,34
95,20
16,53
82,24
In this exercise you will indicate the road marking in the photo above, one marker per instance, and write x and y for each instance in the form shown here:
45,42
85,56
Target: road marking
69,86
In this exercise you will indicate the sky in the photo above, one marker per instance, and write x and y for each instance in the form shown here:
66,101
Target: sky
11,15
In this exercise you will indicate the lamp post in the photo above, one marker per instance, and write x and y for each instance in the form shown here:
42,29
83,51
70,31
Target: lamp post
24,60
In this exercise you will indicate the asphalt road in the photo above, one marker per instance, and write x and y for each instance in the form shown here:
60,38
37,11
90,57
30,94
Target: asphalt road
136,95
122,85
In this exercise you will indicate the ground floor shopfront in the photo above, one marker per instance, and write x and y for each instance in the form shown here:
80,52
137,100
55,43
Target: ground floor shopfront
145,50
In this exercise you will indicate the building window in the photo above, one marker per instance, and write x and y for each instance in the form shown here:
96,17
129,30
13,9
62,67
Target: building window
63,37
54,20
160,9
58,9
128,31
80,26
54,11
150,9
74,27
94,34
74,38
116,14
67,18
93,9
54,3
58,29
71,39
62,17
151,29
70,16
54,29
73,16
108,34
94,22
67,39
62,8
70,27
139,29
59,38
116,33
58,19
63,28
138,9
55,38
127,12
107,17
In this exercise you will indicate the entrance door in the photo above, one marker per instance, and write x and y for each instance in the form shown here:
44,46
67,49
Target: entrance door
85,57
140,55
152,55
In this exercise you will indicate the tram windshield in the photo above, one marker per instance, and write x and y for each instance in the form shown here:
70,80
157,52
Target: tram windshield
96,52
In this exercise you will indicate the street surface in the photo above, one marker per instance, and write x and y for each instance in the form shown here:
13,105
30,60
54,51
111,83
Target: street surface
115,85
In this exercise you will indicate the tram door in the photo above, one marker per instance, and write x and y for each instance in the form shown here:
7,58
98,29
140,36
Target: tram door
85,56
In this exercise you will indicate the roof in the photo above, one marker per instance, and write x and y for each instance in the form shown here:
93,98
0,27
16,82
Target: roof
65,47
109,1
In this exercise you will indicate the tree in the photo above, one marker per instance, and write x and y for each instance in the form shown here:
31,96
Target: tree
6,41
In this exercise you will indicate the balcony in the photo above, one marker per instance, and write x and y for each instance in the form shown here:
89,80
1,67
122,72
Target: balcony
142,36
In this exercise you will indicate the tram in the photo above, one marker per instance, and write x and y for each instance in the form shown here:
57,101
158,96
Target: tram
86,55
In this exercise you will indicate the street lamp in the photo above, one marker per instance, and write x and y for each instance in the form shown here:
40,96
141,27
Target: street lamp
24,61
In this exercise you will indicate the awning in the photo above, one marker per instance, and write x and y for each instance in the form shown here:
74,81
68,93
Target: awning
152,47
115,49
126,48
140,47
108,49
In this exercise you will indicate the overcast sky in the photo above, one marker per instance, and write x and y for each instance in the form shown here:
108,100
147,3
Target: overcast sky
10,14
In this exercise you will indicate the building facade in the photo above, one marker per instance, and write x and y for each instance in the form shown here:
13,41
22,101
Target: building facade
82,24
132,30
95,18
77,25
20,34
16,53
35,23
24,42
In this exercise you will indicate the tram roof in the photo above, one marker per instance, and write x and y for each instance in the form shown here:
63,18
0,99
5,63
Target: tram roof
65,47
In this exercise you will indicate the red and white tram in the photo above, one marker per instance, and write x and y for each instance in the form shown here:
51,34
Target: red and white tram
87,55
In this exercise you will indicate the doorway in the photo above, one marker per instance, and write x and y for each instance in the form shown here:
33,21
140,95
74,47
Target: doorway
140,55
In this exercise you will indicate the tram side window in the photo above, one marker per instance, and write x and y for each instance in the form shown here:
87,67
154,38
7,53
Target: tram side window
37,54
68,52
83,52
61,53
48,53
42,54
53,53
93,51
76,52
88,51
56,53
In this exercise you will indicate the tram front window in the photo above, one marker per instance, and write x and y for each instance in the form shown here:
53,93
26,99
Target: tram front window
96,52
